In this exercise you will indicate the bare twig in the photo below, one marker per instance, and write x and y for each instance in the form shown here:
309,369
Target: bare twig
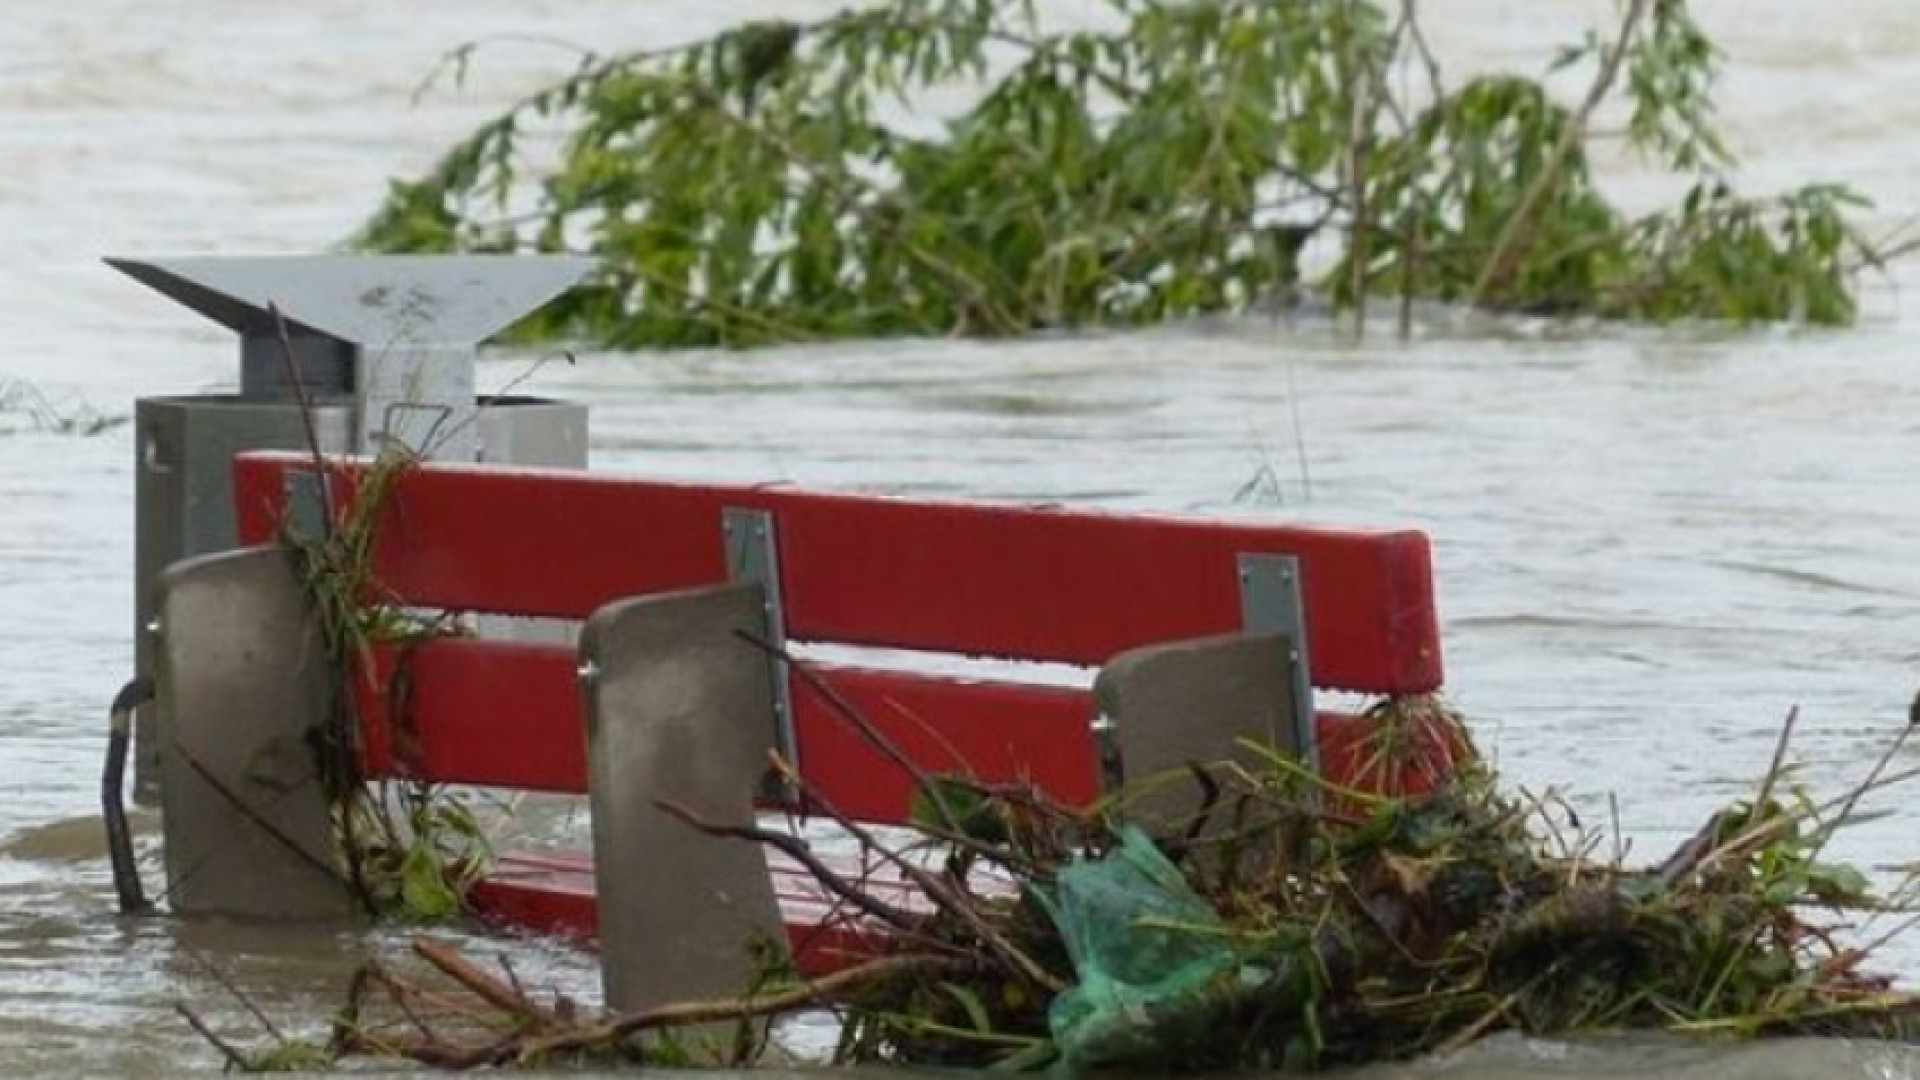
402,1000
459,58
950,830
406,995
307,414
1422,49
815,992
941,892
233,990
346,1032
493,991
1506,247
796,849
1874,779
235,1059
232,798
853,717
1361,80
1767,782
520,1047
1841,808
1209,801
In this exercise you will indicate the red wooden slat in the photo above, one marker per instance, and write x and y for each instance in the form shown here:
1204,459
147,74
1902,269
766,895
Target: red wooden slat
493,713
541,895
1040,584
995,732
502,714
554,893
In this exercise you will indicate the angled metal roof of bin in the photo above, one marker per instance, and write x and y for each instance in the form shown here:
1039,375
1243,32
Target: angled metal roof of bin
374,300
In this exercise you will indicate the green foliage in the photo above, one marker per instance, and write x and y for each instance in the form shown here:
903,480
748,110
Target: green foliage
287,1056
409,848
767,185
420,848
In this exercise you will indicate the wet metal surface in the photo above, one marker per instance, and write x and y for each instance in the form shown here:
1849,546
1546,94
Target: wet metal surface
243,667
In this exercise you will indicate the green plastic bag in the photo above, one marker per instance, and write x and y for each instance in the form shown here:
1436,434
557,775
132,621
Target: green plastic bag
1157,968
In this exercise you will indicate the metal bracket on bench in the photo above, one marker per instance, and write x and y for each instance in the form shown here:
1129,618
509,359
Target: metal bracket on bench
1271,601
753,557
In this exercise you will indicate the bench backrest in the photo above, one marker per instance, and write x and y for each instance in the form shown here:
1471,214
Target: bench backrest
1005,582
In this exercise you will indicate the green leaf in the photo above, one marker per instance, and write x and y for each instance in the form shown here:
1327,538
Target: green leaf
970,1003
424,892
1837,883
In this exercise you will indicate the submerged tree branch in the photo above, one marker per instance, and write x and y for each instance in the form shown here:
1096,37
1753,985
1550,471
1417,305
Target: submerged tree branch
746,190
1506,250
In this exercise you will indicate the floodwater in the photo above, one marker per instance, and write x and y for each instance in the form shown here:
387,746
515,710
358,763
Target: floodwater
1651,545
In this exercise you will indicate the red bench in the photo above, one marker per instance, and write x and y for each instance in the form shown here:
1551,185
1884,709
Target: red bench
1067,586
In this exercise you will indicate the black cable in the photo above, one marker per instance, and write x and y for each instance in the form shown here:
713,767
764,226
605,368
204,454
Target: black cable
126,875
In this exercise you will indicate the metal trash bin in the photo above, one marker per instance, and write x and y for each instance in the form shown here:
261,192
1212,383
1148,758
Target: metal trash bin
385,350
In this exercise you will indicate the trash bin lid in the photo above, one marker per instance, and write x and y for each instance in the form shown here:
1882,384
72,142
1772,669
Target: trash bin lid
383,300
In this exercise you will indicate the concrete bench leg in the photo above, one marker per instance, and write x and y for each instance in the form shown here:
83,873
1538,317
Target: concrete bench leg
679,709
245,686
1191,702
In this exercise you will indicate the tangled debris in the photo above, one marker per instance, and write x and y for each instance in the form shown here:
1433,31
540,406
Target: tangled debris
1289,924
1296,925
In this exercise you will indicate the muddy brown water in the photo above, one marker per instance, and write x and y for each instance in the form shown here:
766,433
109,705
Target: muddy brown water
1650,544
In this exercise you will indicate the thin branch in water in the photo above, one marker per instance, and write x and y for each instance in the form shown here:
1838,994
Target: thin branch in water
1774,767
1506,247
402,1000
228,795
233,990
937,889
295,378
852,716
459,59
1852,799
235,1059
798,850
824,989
493,991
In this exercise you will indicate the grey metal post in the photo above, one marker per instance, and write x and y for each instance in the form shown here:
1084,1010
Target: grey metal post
244,673
1189,703
1191,700
382,347
679,711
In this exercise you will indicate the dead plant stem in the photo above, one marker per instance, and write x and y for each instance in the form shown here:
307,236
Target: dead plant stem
1506,247
796,849
235,1059
818,991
